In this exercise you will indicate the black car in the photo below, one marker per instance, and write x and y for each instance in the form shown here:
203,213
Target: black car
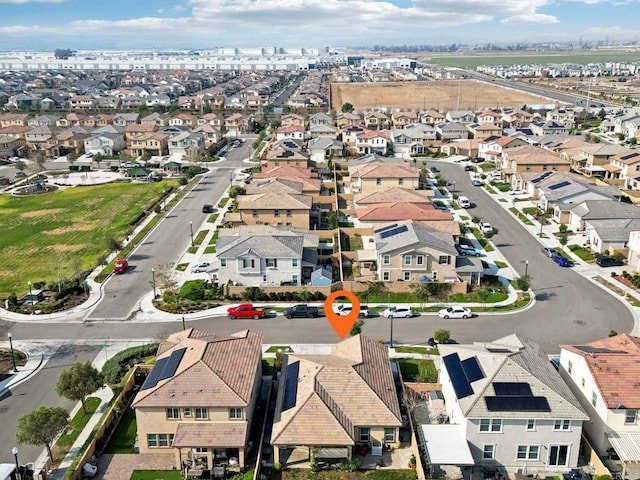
208,209
608,261
434,169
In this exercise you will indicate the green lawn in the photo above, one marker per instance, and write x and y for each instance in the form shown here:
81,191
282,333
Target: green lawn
581,252
124,437
519,58
390,475
353,243
275,348
200,237
156,475
500,264
482,240
181,267
212,218
78,423
410,368
520,216
420,350
210,249
223,202
67,230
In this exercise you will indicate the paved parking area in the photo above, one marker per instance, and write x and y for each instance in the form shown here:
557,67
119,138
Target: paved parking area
120,466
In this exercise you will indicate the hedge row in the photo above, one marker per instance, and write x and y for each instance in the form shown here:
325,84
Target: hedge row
117,366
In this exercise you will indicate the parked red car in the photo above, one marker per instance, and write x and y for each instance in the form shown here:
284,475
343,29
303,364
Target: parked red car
245,310
120,266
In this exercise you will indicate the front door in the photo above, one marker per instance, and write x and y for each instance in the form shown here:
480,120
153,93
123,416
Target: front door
559,455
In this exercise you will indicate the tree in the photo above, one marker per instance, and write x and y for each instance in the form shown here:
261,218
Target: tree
81,380
20,166
332,221
347,108
441,335
62,53
356,328
41,427
166,281
236,190
564,239
563,228
426,290
39,160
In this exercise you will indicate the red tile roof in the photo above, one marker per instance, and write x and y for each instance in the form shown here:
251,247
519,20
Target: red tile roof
382,212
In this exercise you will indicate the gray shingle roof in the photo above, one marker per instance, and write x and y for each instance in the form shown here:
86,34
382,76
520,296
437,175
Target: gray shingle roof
414,235
605,209
261,246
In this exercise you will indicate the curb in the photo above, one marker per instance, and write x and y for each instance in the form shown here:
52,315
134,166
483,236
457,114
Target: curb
26,377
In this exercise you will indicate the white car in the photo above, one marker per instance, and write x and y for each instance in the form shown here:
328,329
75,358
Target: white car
455,312
398,312
517,192
200,267
344,309
486,227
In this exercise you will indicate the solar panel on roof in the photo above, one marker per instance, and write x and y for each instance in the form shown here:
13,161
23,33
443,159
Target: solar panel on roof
172,364
291,386
472,369
517,404
394,231
513,389
152,379
541,177
630,155
459,380
559,185
384,229
590,349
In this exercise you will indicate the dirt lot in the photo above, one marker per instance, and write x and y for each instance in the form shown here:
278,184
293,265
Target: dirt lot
440,95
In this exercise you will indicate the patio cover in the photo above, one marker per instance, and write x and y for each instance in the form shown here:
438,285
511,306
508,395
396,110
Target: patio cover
214,434
446,445
626,445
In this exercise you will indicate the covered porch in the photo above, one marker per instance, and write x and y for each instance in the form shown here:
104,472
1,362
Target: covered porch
627,447
203,446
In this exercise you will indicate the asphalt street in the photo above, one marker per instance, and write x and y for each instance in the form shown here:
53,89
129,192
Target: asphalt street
38,391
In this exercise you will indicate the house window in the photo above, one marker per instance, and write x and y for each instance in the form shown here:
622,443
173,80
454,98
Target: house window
223,263
385,276
407,276
528,452
364,434
276,213
378,181
248,263
173,413
165,439
562,425
490,424
531,425
254,213
443,259
582,382
407,259
488,451
294,279
202,413
386,259
558,455
389,435
631,416
594,399
186,412
272,262
294,262
569,367
152,440
420,260
401,181
235,413
289,214
200,449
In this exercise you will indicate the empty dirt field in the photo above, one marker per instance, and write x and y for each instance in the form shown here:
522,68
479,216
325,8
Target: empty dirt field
439,95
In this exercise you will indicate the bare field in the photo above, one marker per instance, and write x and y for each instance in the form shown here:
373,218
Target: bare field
439,95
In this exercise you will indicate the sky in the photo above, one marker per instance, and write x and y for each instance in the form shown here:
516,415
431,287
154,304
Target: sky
202,24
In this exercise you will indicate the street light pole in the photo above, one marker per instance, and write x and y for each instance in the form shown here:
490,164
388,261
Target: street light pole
153,277
14,450
184,327
13,356
231,177
390,320
191,230
33,310
526,268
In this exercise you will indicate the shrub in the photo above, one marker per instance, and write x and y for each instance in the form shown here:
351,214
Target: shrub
193,290
117,366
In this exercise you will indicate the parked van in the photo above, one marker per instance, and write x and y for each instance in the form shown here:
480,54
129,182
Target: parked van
464,202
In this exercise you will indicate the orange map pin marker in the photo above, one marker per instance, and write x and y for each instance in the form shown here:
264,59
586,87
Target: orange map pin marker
342,323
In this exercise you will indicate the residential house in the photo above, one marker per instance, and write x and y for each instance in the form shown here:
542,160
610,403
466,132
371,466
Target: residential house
316,415
349,134
393,194
603,375
403,118
321,118
71,141
260,260
236,124
624,169
272,209
490,117
432,117
277,157
199,399
157,119
411,252
187,144
460,116
81,102
10,145
40,139
376,214
593,158
376,120
323,131
451,131
347,119
468,148
107,144
633,258
549,128
124,119
290,131
510,408
211,134
412,140
154,144
484,130
184,120
517,118
321,149
565,116
372,141
376,176
293,120
529,158
210,119
14,120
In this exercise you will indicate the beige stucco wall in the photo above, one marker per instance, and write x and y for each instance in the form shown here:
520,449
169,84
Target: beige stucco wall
397,268
298,218
369,185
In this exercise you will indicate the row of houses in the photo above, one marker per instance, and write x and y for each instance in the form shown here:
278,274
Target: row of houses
499,405
131,133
